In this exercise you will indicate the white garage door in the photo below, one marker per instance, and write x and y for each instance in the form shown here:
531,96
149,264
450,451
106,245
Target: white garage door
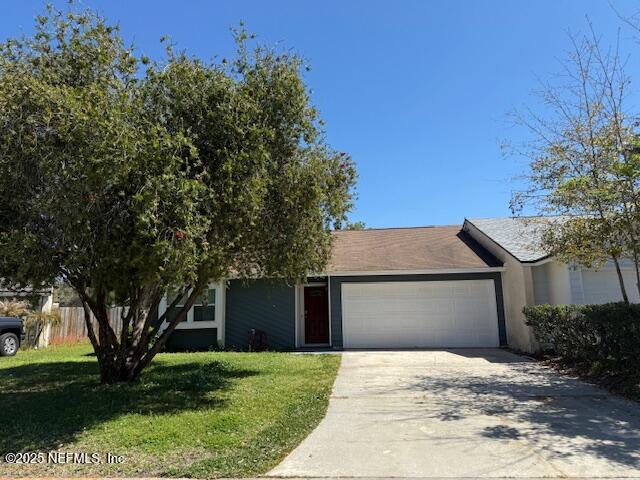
435,314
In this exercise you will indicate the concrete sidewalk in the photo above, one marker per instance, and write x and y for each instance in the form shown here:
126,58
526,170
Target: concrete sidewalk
262,478
468,414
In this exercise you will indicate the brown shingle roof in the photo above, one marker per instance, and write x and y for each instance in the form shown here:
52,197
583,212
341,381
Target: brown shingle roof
421,248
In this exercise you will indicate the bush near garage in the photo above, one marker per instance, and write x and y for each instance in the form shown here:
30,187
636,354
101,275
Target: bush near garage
606,338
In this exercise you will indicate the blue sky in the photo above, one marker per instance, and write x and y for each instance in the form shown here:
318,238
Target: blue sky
416,91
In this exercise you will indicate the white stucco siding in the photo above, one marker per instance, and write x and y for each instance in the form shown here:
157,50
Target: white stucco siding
540,284
554,284
603,286
518,287
557,283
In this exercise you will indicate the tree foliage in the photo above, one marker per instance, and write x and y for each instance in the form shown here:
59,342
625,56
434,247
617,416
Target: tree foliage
359,225
584,162
126,177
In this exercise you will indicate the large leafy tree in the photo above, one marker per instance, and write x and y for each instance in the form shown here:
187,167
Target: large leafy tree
584,163
126,178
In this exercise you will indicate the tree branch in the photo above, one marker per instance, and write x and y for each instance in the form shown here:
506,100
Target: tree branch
162,339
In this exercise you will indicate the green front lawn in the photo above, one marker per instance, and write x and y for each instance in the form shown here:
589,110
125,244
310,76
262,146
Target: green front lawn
206,415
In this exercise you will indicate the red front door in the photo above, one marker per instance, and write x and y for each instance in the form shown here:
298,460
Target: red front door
316,315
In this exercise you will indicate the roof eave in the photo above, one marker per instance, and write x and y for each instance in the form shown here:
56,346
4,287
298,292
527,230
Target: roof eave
424,271
530,262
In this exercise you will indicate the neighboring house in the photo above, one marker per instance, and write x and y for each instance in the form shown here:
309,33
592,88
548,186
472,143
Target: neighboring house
532,277
41,300
426,287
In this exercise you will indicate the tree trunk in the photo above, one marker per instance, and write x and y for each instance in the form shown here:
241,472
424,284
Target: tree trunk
109,374
636,260
160,339
636,267
623,289
123,359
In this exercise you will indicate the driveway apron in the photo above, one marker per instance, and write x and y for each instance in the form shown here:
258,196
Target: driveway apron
466,413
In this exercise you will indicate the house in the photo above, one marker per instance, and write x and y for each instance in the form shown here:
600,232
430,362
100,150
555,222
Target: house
427,287
532,277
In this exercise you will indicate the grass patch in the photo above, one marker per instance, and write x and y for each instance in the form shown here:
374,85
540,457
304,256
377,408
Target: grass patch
205,415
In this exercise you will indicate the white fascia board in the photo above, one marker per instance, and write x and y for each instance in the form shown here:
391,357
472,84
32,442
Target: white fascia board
538,262
431,271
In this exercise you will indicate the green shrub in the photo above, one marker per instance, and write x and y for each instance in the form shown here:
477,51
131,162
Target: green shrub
606,337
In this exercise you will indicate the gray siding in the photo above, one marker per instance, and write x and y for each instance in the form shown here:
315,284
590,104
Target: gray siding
193,339
336,296
263,304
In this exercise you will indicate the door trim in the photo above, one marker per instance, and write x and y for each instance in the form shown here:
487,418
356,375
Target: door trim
300,333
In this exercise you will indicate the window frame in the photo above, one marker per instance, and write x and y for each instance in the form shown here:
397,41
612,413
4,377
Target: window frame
189,322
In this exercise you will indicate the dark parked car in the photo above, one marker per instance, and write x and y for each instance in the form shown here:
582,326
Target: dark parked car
11,335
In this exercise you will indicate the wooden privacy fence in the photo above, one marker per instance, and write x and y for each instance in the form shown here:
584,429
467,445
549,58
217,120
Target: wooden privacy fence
72,327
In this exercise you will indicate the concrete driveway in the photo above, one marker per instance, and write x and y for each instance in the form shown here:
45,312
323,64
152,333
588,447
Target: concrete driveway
466,413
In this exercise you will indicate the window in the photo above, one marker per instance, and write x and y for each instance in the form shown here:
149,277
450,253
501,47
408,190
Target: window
171,297
204,310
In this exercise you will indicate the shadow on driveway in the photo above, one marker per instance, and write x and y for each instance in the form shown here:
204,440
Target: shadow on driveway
466,413
560,415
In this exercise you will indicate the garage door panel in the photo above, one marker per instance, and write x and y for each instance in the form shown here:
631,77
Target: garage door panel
459,313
